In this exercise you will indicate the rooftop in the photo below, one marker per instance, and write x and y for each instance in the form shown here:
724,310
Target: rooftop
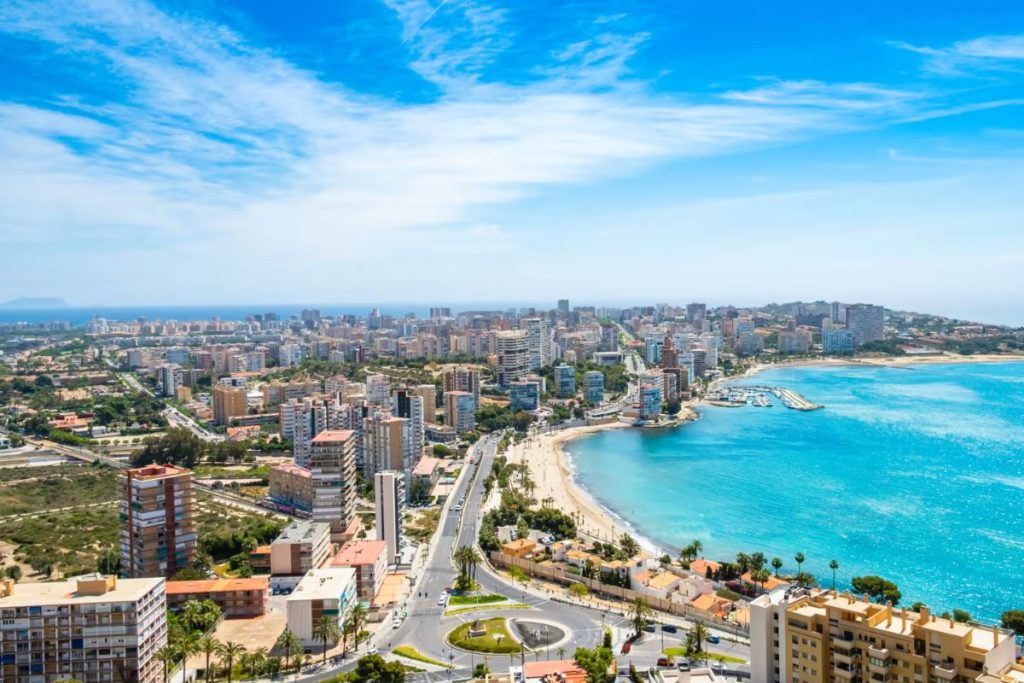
328,583
217,586
356,553
157,472
425,467
292,468
302,531
333,436
67,592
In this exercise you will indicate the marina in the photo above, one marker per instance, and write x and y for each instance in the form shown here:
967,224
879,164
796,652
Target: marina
760,396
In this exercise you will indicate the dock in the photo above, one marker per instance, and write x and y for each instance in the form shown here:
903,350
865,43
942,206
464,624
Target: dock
793,400
758,396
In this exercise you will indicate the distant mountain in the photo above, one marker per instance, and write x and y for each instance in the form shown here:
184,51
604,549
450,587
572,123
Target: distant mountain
34,302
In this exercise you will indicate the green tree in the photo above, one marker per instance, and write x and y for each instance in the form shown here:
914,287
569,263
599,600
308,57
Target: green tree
229,653
200,615
595,662
881,590
777,565
207,646
288,642
629,545
441,451
358,614
833,565
167,656
14,573
961,615
373,669
326,631
178,446
696,638
799,562
639,610
1013,619
760,576
578,590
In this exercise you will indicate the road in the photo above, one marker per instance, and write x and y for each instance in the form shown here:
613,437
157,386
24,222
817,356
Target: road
176,418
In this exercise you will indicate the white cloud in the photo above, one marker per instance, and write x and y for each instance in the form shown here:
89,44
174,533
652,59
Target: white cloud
988,53
223,151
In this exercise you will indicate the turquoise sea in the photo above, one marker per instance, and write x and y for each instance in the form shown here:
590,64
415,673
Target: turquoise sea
915,474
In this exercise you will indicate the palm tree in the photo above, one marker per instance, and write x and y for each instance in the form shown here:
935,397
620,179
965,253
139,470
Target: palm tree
561,653
777,564
697,548
358,615
166,655
757,560
258,659
347,627
207,645
638,613
187,646
760,576
743,560
326,631
833,565
287,642
697,636
229,652
799,562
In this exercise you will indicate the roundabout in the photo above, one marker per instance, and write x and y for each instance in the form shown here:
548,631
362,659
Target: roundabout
507,635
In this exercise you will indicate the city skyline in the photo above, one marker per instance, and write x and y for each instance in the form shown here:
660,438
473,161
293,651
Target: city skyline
508,145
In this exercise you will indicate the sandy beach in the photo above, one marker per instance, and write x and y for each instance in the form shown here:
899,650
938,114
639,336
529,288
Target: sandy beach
547,460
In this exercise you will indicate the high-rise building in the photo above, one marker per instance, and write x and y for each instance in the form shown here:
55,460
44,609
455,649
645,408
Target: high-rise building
798,341
563,306
800,635
460,411
93,628
838,340
609,337
177,355
695,313
463,378
669,353
593,386
289,355
513,356
428,392
378,390
170,378
440,312
389,502
538,332
332,465
749,344
565,380
867,322
651,395
158,535
387,444
837,312
228,403
524,395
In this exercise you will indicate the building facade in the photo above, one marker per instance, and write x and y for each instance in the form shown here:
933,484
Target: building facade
460,410
565,381
332,466
228,403
330,592
369,560
158,535
291,486
512,356
867,322
462,378
97,629
237,598
301,546
389,505
524,395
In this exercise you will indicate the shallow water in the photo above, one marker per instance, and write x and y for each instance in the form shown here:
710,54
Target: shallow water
915,474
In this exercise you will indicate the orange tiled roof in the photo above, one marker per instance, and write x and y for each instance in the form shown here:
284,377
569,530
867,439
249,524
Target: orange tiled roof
217,586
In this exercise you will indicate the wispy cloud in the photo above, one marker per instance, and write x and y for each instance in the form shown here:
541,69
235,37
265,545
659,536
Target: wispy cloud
985,54
221,146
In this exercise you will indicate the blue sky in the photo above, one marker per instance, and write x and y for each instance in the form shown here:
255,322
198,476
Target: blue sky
412,150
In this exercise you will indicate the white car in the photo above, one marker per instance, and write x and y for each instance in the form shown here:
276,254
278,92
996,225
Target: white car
442,599
397,623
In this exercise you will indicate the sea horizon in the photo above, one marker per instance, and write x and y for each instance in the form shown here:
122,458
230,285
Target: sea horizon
924,459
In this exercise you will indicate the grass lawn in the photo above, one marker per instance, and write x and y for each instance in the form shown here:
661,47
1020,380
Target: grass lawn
412,653
475,599
497,640
682,652
482,608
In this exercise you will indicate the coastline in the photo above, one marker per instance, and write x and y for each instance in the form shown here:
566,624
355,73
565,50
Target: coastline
551,468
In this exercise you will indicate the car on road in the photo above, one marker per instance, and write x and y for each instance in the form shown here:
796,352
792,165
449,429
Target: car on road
442,599
396,623
714,639
650,628
669,628
457,508
665,661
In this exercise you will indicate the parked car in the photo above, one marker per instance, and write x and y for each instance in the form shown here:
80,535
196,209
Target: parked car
714,639
626,647
441,599
650,628
669,628
664,661
397,623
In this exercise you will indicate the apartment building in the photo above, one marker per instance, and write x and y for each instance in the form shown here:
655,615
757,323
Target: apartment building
237,598
512,354
428,392
158,535
593,386
867,322
301,546
228,403
94,628
387,443
369,559
330,591
817,636
332,464
565,381
462,378
459,410
291,486
389,505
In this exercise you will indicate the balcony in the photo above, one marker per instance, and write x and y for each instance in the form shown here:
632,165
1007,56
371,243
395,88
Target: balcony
946,671
846,674
878,652
842,642
848,658
877,667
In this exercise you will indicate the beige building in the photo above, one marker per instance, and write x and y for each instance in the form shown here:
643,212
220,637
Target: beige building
302,546
291,486
369,559
332,465
330,592
816,636
158,535
428,392
387,444
95,628
228,403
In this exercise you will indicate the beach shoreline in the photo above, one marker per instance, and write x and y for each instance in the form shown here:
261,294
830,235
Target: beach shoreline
551,466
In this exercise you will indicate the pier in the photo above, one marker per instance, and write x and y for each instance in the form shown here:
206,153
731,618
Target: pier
736,397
